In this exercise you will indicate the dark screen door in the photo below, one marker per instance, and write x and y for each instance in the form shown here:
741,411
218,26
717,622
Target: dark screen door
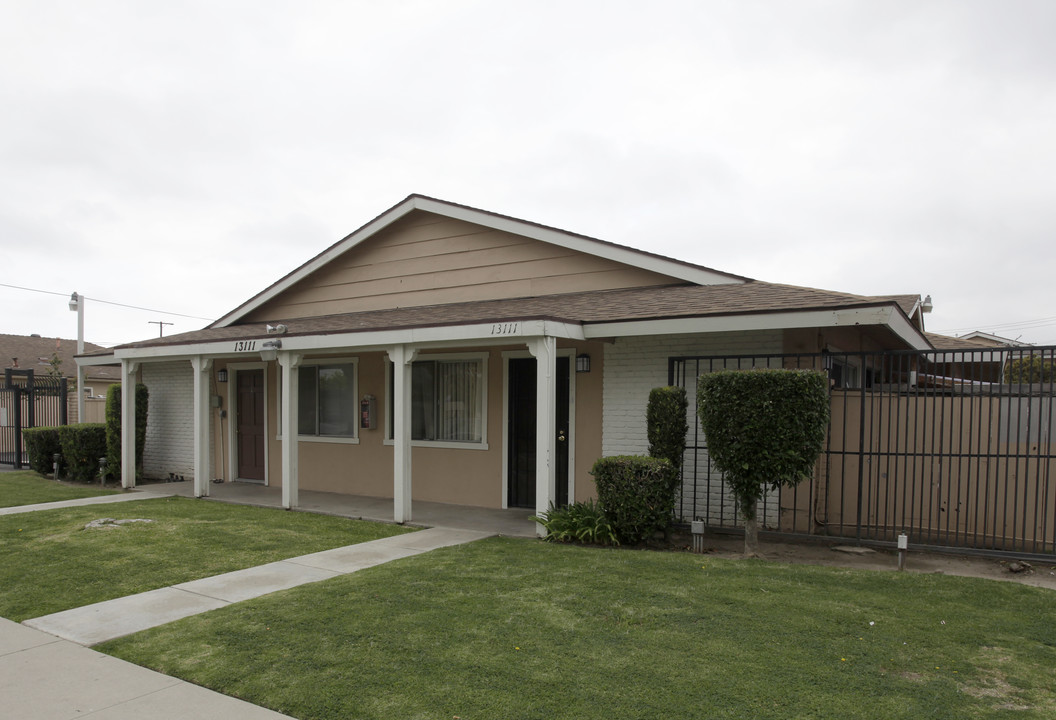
521,432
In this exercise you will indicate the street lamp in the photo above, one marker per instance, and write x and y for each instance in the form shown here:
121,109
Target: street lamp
77,305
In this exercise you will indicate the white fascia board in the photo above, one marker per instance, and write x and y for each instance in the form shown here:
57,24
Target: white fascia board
96,360
626,256
447,336
886,315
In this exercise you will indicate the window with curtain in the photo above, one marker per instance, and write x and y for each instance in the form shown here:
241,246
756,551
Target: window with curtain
327,400
447,400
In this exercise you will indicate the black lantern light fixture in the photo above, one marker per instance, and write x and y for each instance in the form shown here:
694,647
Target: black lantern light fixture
221,375
582,363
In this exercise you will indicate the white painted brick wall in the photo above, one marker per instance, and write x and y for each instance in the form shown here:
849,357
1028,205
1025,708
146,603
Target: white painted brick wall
170,420
633,367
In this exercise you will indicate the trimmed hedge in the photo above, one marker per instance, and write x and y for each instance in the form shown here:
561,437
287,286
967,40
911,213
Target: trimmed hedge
665,419
636,494
41,444
113,428
82,446
764,427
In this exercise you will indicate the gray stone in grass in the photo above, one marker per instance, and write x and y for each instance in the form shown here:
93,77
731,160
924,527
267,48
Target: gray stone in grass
111,523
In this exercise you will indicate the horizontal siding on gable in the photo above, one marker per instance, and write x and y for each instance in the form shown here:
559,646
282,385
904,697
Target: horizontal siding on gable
427,260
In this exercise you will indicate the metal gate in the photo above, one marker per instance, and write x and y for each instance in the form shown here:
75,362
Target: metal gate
28,401
953,448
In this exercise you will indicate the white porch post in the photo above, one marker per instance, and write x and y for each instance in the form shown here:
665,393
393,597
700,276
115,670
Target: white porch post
128,423
203,458
401,357
545,351
290,364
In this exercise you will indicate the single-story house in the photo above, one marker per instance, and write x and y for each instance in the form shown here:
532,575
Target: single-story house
445,353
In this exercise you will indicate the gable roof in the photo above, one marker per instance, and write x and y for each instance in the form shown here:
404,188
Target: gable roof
677,270
35,352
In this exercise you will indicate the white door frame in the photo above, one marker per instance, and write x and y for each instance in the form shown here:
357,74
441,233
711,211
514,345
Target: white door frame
507,355
232,415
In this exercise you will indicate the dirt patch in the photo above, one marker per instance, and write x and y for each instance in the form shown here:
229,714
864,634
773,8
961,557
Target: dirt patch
829,553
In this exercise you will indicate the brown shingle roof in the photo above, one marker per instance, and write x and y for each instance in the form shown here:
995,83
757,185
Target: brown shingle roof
34,352
675,301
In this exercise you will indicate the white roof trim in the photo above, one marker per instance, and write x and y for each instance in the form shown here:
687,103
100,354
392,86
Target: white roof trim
506,333
616,253
886,315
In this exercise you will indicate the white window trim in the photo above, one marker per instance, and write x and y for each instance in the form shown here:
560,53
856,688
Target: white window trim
328,439
483,357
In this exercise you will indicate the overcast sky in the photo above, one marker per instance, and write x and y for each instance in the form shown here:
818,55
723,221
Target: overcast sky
182,156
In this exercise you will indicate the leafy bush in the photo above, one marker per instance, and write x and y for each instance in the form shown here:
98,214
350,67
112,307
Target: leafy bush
764,429
113,427
41,444
636,494
666,423
82,446
1030,369
578,522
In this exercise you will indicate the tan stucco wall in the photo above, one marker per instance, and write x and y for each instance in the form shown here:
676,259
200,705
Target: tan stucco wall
450,475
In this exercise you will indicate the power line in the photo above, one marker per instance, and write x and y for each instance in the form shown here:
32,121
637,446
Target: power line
107,302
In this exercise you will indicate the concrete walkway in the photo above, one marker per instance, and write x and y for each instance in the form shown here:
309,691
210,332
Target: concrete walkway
47,673
110,619
46,678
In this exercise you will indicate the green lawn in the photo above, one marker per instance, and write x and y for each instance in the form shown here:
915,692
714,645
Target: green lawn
51,562
29,488
516,628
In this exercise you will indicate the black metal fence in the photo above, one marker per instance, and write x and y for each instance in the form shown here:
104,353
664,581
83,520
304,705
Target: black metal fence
952,448
26,401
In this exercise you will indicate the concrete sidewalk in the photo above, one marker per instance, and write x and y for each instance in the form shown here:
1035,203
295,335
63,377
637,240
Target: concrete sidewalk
103,621
46,678
96,500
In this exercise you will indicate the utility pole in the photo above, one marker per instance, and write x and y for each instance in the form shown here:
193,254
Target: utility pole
161,326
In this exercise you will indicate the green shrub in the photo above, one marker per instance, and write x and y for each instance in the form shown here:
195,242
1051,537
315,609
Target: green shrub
665,418
764,429
82,446
636,494
1030,369
578,522
113,428
41,444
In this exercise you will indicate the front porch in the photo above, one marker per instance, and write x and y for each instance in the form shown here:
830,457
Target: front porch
513,522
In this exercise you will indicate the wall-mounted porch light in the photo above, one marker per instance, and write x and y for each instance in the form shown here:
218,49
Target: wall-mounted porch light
221,375
270,350
582,363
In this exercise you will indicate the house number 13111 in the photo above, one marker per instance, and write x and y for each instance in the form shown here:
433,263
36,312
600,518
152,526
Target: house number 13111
510,328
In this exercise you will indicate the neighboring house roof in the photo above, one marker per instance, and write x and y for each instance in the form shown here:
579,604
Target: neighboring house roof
987,339
946,342
677,270
35,352
584,308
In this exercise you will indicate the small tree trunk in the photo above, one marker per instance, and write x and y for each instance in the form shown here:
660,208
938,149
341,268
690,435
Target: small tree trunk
751,532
